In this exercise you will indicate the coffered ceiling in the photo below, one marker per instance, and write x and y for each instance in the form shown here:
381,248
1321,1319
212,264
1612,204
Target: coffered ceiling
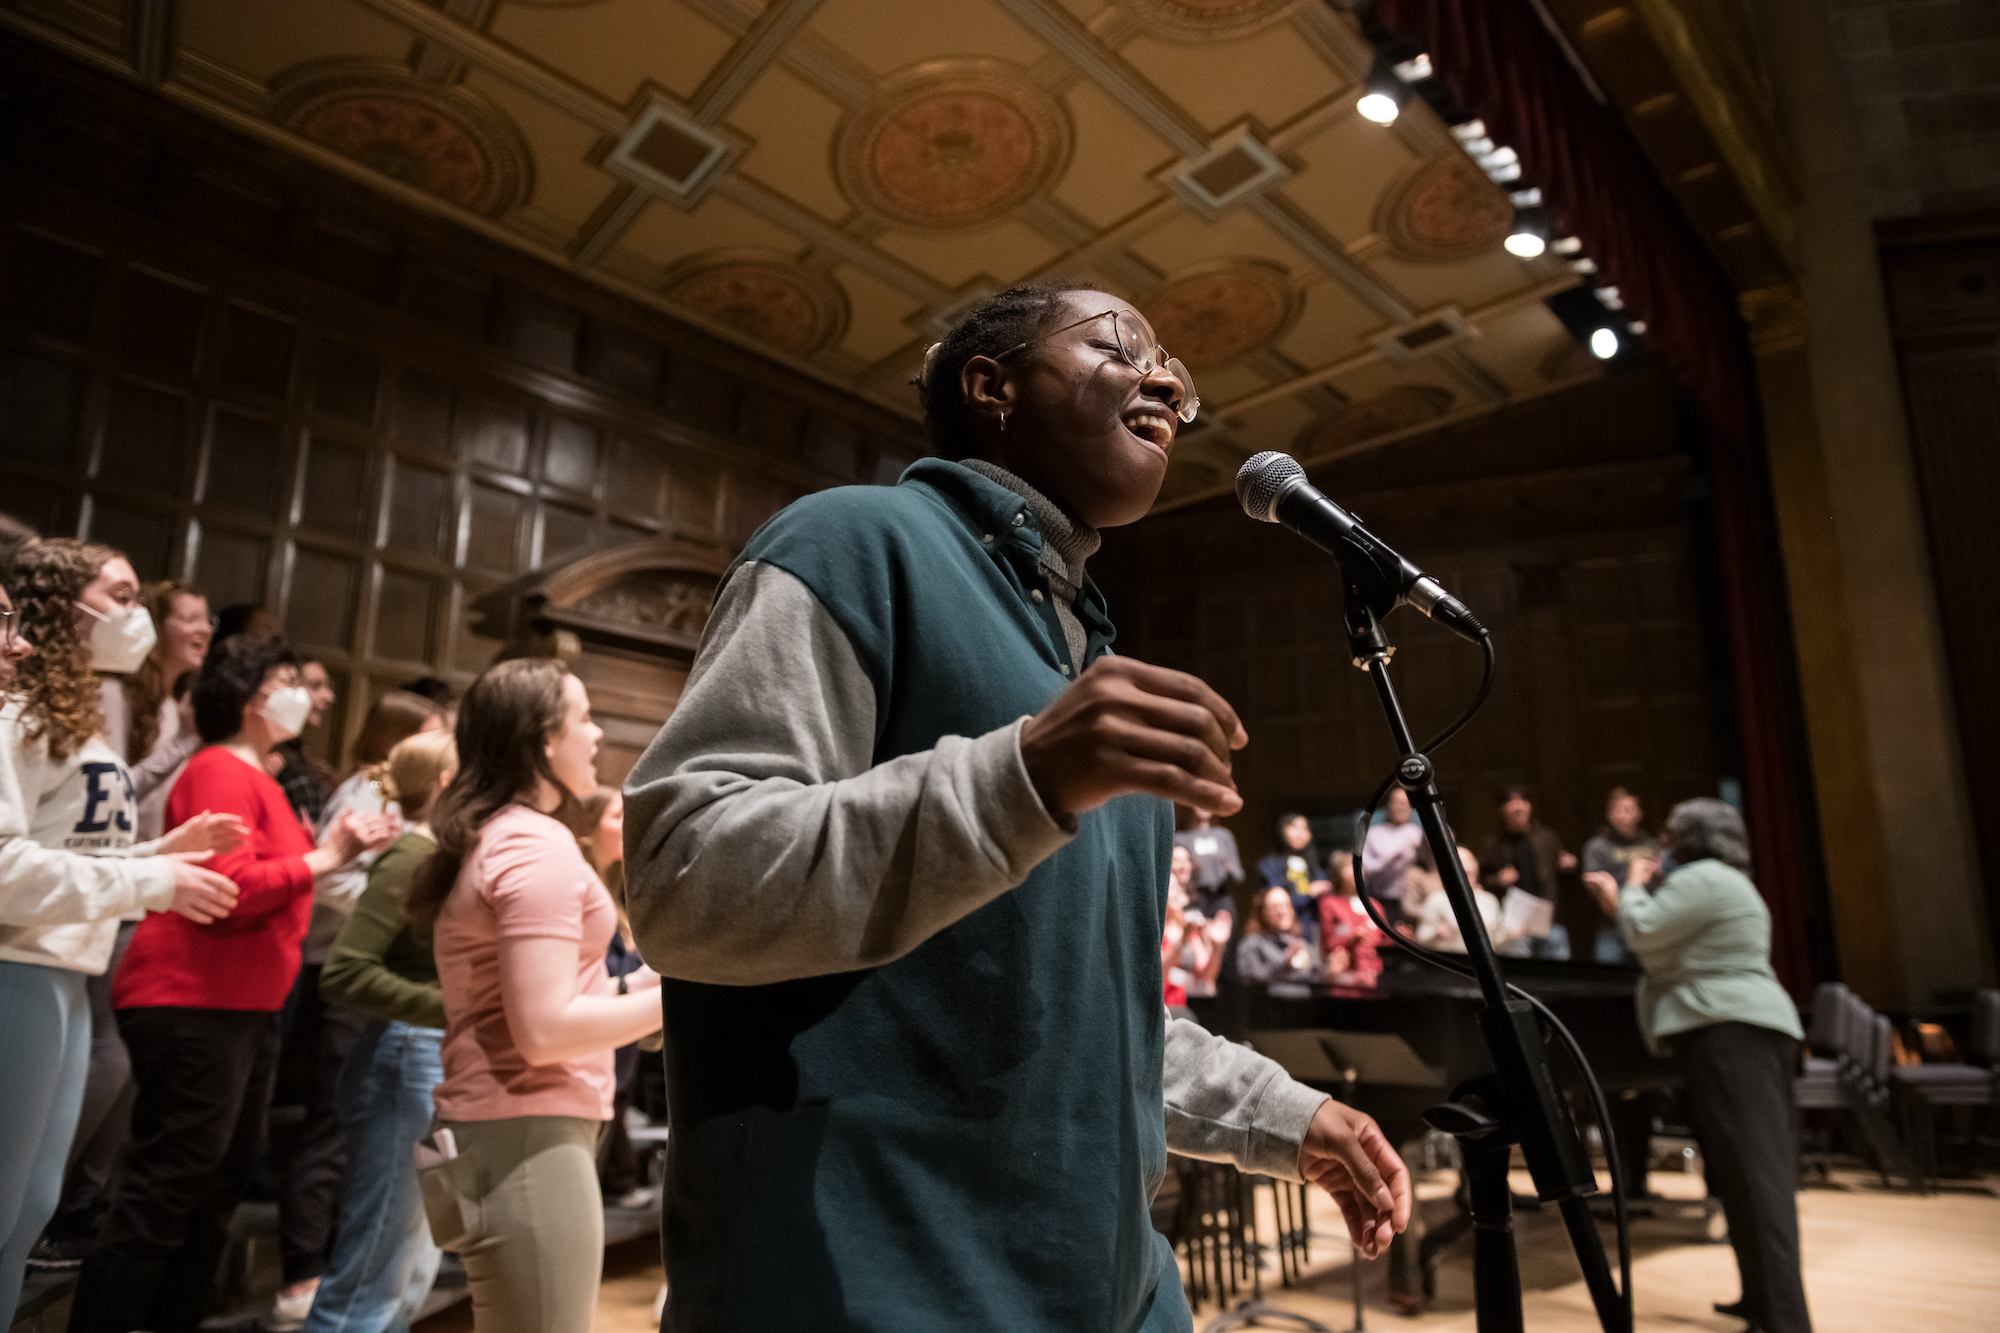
828,181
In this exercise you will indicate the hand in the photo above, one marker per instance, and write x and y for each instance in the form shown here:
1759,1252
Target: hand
1566,861
1301,959
1603,886
206,832
1319,888
1221,928
200,895
1508,877
1346,1155
1642,870
1125,727
354,833
1339,962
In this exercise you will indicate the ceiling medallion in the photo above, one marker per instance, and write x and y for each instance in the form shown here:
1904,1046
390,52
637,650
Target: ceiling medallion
450,143
1206,20
1399,408
1217,316
952,143
767,298
1444,211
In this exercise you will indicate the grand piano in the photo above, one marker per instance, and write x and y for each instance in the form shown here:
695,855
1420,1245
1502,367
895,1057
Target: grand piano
1335,1037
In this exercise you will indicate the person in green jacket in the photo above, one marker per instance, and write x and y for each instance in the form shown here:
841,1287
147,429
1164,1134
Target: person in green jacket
901,855
383,1260
1710,999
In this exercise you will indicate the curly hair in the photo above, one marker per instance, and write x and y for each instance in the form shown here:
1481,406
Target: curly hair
230,679
1001,321
147,688
57,686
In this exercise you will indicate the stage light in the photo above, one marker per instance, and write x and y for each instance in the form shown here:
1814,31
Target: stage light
1379,107
1383,94
1530,236
1414,71
1604,344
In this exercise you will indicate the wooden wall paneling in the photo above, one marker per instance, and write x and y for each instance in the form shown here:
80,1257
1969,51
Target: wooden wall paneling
240,368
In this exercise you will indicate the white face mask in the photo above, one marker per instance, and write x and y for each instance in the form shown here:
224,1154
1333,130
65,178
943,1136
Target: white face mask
120,641
288,709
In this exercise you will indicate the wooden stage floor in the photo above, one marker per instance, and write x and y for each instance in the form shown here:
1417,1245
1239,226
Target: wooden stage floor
1875,1260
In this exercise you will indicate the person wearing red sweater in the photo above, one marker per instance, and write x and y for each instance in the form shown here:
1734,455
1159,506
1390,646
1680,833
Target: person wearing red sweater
199,1008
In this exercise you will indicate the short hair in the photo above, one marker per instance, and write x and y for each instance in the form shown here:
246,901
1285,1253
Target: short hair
437,690
1509,791
1707,829
1618,794
1002,321
230,679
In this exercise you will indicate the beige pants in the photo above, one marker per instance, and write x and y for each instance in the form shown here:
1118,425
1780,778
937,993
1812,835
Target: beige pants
530,1221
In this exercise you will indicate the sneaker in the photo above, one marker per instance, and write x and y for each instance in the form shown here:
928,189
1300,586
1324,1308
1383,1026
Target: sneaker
290,1307
59,1254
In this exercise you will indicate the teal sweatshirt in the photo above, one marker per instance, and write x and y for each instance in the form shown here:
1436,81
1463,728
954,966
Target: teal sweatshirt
914,1031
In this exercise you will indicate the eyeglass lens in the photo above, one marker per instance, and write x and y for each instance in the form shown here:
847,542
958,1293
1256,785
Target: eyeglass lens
1143,359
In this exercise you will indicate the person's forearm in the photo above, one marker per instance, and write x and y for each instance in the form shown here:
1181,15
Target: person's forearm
587,1025
1226,1103
361,981
46,886
162,763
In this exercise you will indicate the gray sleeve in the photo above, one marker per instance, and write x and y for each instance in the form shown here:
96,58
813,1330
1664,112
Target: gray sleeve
1226,1103
761,845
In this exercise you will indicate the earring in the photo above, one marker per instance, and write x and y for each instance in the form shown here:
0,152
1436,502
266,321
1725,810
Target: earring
1003,421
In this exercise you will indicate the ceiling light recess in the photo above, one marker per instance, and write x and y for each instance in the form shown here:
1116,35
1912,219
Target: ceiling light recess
1235,167
668,153
1428,333
1383,95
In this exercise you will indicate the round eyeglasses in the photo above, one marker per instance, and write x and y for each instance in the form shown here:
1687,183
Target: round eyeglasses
1133,350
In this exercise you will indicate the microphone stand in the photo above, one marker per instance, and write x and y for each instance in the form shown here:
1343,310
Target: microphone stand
1518,1102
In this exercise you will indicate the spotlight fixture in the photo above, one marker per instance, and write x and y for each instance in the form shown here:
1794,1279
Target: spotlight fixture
1383,95
1415,70
1530,236
1604,344
1568,245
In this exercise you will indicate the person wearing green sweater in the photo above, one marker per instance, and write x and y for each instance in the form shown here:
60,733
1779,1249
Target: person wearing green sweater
1710,999
901,857
383,1260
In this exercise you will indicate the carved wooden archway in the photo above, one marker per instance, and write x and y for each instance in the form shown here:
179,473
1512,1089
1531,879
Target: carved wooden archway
628,622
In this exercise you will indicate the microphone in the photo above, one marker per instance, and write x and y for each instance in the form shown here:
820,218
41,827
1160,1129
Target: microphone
1272,488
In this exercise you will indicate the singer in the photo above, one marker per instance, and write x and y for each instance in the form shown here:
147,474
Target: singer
901,854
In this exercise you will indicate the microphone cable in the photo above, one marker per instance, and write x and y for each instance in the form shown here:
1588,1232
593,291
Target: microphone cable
1456,965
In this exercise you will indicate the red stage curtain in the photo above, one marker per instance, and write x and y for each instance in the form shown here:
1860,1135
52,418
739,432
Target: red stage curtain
1503,66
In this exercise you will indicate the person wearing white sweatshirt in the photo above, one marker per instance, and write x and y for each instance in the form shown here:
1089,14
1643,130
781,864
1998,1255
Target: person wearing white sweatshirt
68,864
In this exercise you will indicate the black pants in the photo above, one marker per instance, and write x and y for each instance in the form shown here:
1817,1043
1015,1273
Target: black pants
1739,1089
204,1091
308,1149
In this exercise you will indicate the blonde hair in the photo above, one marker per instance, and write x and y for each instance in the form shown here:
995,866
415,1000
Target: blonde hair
416,770
589,817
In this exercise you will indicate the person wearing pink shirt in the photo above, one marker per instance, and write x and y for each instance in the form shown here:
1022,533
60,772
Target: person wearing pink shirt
520,924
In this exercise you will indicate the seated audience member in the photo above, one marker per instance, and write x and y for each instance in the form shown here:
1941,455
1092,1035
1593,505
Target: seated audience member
199,1006
1390,851
1437,925
384,1260
1345,927
1527,856
1611,851
1218,867
1276,952
1295,866
308,1151
68,864
520,925
1210,921
1710,998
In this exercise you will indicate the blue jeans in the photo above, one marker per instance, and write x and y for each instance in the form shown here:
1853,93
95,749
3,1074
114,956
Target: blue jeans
45,1053
383,1260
